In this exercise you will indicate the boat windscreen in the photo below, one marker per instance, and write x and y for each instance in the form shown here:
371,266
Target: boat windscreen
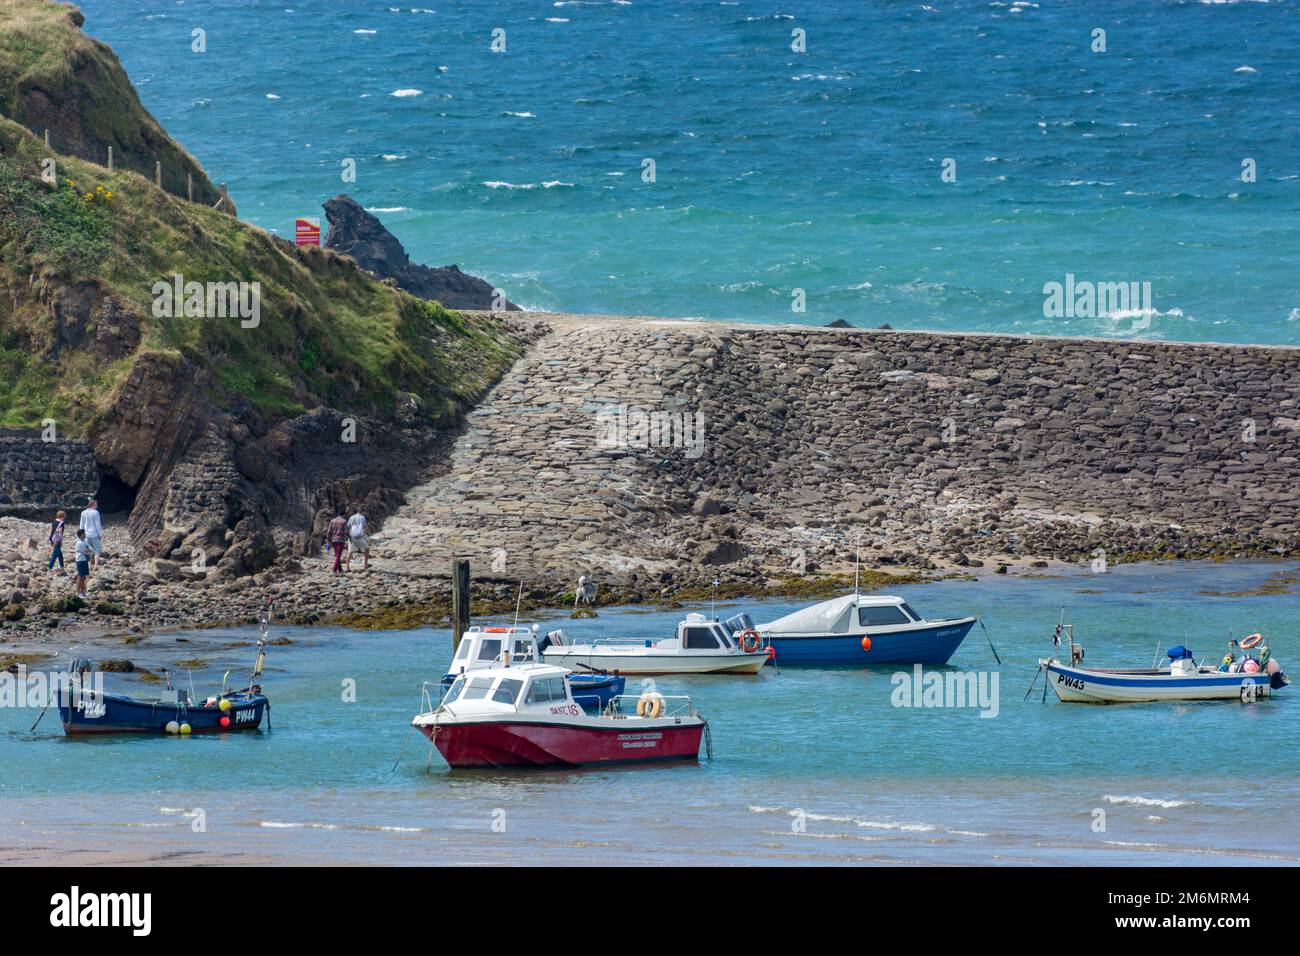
740,622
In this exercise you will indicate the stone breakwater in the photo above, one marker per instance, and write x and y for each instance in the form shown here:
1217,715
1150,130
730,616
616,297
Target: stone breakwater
656,455
934,449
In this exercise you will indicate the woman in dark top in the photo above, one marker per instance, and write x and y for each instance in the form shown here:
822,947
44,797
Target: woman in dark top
56,542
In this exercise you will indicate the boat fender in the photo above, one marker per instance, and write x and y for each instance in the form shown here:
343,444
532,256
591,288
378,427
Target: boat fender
185,730
750,642
224,705
1254,640
651,704
866,643
172,727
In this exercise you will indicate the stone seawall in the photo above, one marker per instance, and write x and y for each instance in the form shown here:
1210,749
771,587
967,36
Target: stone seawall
39,477
931,448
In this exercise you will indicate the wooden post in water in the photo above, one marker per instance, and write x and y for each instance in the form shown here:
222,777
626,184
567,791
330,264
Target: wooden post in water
110,159
157,173
459,601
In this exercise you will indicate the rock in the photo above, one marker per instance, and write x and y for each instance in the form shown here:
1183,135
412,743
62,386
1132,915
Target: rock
705,506
356,233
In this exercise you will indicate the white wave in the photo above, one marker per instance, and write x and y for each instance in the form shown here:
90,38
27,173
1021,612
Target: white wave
389,157
1245,69
907,827
524,115
1146,801
366,32
273,825
501,184
272,96
407,93
388,208
556,20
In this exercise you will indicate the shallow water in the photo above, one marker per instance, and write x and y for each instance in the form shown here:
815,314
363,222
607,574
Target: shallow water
774,170
810,766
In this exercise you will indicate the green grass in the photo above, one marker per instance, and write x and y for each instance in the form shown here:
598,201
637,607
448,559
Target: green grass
329,334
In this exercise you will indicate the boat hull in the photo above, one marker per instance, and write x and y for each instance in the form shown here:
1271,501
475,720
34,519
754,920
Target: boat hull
930,645
119,714
1077,685
523,743
638,664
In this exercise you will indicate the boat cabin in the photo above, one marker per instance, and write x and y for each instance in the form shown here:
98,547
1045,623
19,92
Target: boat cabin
696,633
526,687
482,647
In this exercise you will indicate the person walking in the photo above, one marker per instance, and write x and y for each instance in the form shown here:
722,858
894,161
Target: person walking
338,536
56,542
357,542
94,527
83,555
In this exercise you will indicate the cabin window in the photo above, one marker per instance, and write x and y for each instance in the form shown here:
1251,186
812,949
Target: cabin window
523,649
912,611
477,688
885,614
490,649
545,689
507,691
462,652
701,638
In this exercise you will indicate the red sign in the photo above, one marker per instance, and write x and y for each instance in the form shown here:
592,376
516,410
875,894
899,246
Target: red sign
306,231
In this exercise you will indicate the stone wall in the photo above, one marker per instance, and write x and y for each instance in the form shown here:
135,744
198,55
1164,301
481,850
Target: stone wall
39,477
943,448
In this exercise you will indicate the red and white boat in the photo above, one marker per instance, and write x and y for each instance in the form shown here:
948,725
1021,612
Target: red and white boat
525,716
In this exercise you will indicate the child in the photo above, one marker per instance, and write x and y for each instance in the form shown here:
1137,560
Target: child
84,553
56,542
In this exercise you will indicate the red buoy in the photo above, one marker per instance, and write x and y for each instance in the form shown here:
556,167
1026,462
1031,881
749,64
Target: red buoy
866,643
225,721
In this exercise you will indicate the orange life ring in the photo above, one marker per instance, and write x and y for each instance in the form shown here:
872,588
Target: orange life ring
1254,640
750,642
496,630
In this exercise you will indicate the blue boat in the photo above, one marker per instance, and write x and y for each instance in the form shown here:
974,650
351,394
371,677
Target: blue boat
489,646
85,708
857,630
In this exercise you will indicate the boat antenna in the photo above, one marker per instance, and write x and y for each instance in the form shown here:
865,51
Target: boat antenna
265,625
713,600
510,639
857,562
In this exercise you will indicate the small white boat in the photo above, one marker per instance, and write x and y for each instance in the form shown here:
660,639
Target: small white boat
699,647
1182,679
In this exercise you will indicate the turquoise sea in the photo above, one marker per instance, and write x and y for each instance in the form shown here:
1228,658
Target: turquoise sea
809,766
774,170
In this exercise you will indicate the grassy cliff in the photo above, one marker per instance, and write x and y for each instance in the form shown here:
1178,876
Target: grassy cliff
79,259
52,76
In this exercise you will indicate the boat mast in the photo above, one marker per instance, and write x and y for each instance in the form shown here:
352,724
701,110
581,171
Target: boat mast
510,638
857,562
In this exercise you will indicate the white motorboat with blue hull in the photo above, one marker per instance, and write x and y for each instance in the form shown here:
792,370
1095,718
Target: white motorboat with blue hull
858,629
1250,679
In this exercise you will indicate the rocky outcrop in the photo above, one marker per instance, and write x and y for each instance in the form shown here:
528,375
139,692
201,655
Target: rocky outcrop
53,77
356,233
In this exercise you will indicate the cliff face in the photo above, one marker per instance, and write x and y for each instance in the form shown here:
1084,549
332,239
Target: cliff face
223,432
52,76
356,233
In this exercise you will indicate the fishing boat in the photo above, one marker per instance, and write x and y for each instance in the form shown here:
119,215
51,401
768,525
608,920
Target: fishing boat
485,647
858,629
1182,679
85,708
526,716
699,646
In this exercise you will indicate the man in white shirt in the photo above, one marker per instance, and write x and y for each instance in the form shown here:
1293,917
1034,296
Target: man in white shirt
94,528
357,540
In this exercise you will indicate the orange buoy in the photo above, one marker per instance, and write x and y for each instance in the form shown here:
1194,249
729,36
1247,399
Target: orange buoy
866,643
